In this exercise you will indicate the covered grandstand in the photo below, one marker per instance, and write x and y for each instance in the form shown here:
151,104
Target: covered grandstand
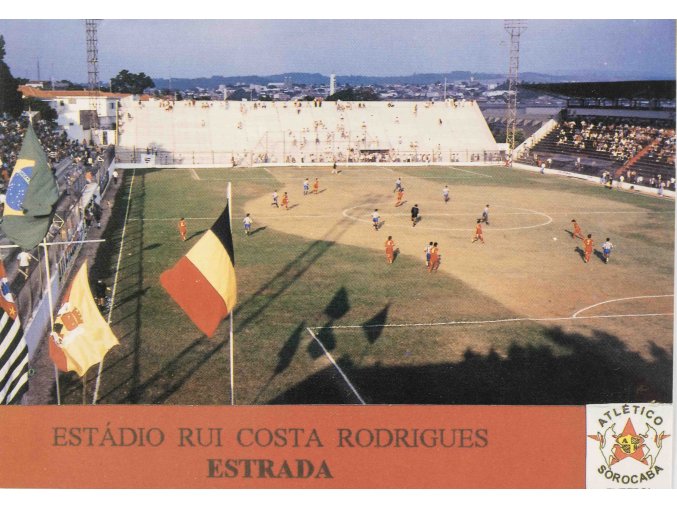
620,131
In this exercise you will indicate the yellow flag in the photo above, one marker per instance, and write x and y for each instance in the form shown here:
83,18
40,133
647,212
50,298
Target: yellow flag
81,337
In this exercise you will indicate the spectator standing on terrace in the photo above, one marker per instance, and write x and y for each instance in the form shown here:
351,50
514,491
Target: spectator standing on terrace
100,290
115,176
88,217
24,261
97,212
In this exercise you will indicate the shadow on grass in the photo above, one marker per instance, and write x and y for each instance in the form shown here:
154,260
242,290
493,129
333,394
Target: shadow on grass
580,252
600,369
173,374
599,255
258,229
195,234
337,308
373,328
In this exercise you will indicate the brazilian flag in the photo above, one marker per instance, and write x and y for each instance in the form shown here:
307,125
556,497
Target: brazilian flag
31,195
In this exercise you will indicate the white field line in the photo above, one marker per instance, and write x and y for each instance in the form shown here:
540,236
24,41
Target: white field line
495,321
384,215
331,359
575,315
548,221
194,175
342,176
115,283
467,171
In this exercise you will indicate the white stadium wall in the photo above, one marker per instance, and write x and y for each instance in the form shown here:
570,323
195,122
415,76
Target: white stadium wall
248,133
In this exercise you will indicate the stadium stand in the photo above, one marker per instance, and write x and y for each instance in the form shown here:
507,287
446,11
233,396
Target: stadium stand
641,151
246,133
80,171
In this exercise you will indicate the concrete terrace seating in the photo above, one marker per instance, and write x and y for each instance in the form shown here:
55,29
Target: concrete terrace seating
611,144
284,132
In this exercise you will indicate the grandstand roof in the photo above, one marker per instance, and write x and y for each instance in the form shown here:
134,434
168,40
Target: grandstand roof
29,91
609,90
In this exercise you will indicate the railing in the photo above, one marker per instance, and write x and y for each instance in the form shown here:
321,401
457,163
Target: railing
159,158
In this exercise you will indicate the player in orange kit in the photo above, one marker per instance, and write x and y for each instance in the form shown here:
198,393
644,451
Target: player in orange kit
285,201
577,231
478,231
390,250
587,246
182,228
435,258
400,196
316,186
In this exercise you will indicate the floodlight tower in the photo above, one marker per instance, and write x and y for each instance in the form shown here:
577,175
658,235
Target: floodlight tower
93,68
515,27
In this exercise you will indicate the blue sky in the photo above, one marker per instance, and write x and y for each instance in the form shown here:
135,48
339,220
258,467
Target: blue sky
193,48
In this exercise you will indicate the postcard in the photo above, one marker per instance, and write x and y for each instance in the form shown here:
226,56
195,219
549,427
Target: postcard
360,254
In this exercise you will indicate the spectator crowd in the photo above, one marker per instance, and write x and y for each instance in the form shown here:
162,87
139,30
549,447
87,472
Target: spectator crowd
620,139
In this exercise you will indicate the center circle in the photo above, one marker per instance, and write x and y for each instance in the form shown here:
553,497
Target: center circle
517,211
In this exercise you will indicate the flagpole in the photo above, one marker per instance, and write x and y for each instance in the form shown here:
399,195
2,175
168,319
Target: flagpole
232,341
51,317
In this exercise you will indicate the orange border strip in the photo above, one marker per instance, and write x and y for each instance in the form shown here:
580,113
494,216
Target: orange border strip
527,447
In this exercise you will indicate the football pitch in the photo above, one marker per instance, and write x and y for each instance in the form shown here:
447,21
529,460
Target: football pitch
322,318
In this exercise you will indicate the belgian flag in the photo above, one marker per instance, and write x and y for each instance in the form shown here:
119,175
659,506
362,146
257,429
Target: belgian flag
203,281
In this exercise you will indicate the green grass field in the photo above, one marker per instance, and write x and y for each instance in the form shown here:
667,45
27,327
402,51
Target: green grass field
495,325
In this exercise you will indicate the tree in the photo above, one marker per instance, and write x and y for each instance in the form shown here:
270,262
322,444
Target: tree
46,112
355,94
10,97
128,82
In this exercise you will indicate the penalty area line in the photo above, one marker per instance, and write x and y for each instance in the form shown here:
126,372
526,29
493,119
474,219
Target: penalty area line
338,368
495,321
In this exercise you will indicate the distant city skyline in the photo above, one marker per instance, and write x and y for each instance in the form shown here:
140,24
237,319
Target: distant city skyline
203,48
